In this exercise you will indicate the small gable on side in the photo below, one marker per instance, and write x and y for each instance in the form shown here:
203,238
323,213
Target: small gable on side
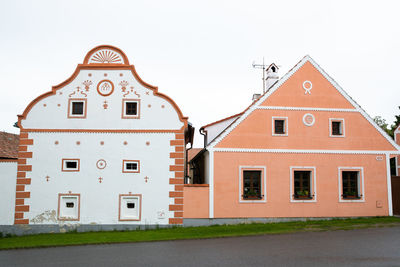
307,87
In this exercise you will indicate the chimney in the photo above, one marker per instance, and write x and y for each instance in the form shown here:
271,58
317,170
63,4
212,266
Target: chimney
272,75
255,97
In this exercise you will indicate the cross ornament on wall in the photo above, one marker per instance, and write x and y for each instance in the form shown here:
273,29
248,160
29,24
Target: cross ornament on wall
146,179
100,179
47,178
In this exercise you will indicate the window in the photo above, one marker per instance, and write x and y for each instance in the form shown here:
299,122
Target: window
77,108
70,165
130,166
303,184
68,207
130,108
351,184
130,207
252,184
336,127
279,126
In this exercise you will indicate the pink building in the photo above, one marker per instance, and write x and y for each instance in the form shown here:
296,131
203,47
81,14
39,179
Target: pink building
304,148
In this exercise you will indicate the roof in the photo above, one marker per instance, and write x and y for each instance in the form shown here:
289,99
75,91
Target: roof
224,119
9,145
193,153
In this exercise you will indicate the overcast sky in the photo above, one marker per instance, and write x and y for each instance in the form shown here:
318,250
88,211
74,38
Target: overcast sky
200,52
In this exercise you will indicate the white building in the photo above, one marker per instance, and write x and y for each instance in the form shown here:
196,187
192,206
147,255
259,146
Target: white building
101,148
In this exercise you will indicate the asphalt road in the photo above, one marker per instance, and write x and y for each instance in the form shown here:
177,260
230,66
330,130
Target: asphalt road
366,247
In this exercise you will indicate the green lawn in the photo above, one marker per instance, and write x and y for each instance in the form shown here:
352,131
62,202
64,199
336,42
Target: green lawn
74,238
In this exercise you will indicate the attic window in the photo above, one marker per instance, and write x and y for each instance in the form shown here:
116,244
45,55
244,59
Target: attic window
279,126
70,165
77,108
273,69
130,205
69,204
130,108
336,127
130,166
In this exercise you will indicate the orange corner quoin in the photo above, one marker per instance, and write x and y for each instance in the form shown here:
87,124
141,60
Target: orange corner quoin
74,140
303,148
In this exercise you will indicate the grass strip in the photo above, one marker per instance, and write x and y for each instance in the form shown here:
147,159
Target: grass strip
179,233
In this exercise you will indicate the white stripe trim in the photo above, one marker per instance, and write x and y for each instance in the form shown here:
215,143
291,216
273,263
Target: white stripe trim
308,109
389,185
211,184
304,151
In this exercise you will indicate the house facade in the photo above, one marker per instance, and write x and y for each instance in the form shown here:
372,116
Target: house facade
302,149
101,148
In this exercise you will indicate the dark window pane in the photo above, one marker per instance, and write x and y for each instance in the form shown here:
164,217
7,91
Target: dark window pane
336,128
279,126
302,184
130,205
350,184
252,185
69,204
131,108
71,164
131,166
77,108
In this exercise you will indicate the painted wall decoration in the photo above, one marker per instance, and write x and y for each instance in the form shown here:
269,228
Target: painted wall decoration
105,87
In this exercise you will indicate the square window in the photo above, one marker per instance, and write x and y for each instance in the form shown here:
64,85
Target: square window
303,184
130,166
68,207
130,108
130,207
77,108
351,184
336,127
70,165
279,126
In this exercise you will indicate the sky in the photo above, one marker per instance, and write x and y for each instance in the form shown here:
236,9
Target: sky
200,53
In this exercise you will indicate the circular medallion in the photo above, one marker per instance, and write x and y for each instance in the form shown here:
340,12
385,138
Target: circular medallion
105,87
101,164
308,119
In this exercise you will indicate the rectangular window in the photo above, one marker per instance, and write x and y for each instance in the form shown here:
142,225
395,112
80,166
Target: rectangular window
130,166
130,207
70,165
350,185
336,127
77,108
252,185
130,108
302,185
68,207
279,126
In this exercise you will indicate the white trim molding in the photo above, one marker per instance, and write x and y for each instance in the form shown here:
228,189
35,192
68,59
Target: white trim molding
263,169
304,151
307,109
389,185
313,183
285,126
360,182
342,127
211,184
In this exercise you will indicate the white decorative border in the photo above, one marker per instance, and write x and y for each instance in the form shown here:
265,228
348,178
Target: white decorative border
285,124
308,109
304,151
264,184
342,127
305,122
360,183
307,90
313,185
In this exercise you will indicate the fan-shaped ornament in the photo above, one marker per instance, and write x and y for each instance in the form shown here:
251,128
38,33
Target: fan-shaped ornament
106,56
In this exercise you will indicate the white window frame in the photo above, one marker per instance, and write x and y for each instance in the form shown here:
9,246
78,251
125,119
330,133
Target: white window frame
285,124
61,202
126,116
263,180
313,183
77,116
121,217
360,183
342,128
125,170
64,165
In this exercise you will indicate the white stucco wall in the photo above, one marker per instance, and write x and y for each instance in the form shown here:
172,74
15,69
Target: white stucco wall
215,129
100,201
8,176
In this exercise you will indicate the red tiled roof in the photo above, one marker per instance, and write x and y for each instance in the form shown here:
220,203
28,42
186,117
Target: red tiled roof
9,145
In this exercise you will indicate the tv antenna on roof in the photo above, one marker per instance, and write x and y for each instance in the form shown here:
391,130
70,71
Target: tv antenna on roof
263,67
